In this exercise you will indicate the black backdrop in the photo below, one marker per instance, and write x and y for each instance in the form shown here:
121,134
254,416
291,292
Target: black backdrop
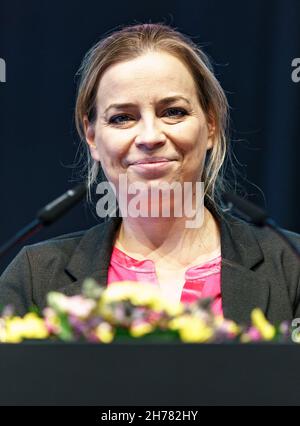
252,43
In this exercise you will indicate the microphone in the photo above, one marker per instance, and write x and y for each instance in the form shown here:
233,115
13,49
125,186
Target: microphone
46,216
258,216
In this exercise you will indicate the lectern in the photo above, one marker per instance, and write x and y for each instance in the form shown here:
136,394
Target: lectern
168,374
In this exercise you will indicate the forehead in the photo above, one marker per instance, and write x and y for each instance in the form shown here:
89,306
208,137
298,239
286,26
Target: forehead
153,75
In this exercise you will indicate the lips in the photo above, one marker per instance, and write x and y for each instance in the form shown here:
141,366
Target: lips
152,169
151,160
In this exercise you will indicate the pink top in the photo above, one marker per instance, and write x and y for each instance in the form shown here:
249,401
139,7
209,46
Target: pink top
201,281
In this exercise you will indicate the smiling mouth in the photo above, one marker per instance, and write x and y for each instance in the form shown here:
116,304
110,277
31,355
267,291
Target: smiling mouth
151,162
153,167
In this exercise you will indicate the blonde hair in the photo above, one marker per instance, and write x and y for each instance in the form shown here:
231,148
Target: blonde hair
132,41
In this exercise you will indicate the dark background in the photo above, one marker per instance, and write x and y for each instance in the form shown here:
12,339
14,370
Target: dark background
252,44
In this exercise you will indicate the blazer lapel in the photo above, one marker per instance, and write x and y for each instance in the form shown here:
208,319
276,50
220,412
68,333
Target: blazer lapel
91,258
243,289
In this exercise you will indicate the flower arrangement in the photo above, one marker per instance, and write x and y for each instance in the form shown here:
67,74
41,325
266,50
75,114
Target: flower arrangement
127,311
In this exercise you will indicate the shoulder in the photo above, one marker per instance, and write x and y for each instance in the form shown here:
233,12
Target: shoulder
77,253
264,235
63,245
41,259
249,245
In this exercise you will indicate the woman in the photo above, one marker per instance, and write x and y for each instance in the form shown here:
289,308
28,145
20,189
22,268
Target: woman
150,109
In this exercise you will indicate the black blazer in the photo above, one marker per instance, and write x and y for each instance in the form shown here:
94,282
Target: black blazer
258,269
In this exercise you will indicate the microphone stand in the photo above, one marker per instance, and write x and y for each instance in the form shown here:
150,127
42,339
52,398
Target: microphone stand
46,216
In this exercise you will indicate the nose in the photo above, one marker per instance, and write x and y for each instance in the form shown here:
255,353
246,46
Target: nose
150,136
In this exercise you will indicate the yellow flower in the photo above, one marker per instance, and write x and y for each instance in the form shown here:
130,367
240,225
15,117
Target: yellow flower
232,327
173,309
260,322
34,327
140,329
105,332
14,330
139,294
219,320
28,327
191,330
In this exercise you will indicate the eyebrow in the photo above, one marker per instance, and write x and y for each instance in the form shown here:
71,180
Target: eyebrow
163,101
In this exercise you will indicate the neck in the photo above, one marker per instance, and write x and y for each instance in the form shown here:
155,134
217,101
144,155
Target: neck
168,239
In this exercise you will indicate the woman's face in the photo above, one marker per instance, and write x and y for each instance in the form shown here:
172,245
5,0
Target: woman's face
148,107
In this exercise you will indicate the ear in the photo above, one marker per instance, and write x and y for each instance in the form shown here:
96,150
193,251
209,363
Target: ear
211,126
89,131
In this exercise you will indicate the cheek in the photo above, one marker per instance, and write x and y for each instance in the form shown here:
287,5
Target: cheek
110,147
107,143
192,138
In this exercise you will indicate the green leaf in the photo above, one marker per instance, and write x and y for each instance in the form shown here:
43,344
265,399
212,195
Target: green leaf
66,332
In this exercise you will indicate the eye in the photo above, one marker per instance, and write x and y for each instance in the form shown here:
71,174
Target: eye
175,112
120,119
